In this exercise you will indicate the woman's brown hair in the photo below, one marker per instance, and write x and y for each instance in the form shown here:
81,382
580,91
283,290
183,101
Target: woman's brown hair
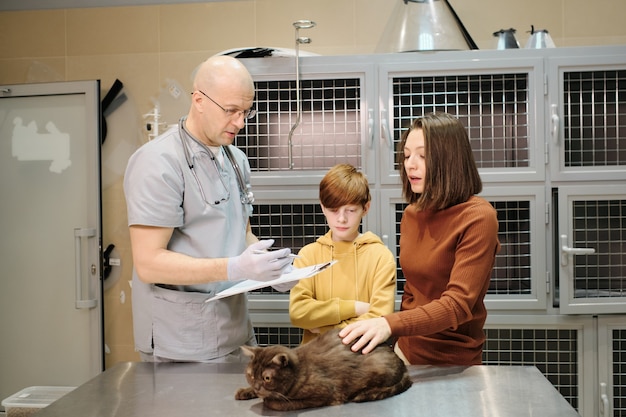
343,185
451,173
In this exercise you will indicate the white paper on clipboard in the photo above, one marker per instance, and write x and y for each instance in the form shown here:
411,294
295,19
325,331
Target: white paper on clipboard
250,285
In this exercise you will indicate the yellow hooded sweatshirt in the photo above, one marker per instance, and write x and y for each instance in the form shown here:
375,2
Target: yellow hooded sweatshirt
365,271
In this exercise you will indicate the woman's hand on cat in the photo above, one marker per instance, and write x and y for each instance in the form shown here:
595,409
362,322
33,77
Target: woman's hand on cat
370,333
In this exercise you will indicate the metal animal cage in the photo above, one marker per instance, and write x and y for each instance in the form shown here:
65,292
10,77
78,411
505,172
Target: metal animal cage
600,224
548,131
511,272
595,118
493,107
328,133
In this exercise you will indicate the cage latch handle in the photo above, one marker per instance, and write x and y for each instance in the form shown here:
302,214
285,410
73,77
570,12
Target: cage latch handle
566,251
555,122
370,126
386,130
604,401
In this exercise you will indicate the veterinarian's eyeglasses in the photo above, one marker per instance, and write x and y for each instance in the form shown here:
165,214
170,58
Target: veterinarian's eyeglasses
232,113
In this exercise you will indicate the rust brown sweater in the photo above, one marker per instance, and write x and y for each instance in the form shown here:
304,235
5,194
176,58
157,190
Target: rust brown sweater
447,257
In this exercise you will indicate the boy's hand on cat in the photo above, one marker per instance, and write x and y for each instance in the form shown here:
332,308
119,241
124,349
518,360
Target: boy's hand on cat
370,333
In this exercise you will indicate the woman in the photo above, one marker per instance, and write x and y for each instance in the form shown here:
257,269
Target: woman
448,244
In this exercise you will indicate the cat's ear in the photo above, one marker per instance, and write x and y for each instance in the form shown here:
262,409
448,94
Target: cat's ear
248,350
281,360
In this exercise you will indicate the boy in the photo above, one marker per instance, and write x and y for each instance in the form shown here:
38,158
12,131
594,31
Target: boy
362,284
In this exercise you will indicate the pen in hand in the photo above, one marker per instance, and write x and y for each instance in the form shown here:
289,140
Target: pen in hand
261,252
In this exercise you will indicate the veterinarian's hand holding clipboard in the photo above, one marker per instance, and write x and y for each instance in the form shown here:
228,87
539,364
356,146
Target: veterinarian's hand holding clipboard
250,285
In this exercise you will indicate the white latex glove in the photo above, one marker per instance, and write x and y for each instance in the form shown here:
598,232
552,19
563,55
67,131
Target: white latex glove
285,286
259,264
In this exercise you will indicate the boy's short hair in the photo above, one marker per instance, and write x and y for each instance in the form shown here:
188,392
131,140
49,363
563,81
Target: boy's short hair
343,185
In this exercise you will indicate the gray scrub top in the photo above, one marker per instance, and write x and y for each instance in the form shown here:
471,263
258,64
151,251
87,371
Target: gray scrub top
161,190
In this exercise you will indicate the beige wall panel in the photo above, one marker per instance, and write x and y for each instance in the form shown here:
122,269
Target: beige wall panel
122,353
116,226
370,18
118,326
32,33
181,67
138,73
40,70
114,214
594,19
198,27
177,70
594,41
114,30
334,19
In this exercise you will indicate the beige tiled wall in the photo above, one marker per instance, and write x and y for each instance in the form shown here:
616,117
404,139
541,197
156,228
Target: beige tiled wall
144,46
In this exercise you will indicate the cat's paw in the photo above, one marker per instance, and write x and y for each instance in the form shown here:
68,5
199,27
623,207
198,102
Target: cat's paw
245,394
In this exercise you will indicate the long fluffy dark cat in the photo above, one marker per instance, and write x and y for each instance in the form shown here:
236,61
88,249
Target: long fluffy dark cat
320,373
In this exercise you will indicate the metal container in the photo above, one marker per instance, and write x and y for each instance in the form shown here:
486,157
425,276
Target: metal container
506,39
539,39
424,25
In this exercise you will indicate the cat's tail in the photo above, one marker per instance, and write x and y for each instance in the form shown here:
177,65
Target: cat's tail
380,393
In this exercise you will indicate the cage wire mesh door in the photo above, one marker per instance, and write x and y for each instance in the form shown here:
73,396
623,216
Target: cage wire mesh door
329,132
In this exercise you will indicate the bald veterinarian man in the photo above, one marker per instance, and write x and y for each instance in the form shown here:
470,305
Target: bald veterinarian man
189,203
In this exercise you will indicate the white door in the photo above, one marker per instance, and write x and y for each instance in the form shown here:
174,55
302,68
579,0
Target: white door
587,117
591,233
50,235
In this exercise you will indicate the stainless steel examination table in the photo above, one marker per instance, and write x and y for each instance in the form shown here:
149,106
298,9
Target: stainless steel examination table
195,389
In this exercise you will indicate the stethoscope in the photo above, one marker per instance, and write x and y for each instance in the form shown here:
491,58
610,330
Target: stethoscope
246,196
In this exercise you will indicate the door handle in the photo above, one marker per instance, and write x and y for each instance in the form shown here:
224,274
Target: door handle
370,127
82,303
386,130
567,251
555,123
605,409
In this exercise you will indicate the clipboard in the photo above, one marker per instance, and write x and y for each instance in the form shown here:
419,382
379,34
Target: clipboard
250,284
